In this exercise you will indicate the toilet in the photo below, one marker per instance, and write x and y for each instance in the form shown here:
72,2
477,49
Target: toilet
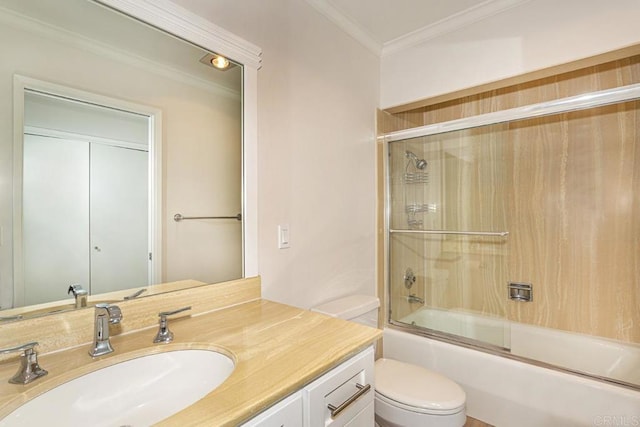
406,395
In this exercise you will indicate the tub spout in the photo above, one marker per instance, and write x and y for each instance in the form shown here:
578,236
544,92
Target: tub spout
413,298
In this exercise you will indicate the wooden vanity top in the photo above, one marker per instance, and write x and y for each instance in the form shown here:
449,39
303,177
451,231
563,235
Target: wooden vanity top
277,350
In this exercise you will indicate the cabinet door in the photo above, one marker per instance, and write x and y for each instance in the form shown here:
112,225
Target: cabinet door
287,413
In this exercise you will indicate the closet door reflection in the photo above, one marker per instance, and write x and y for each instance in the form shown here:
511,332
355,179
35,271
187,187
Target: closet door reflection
118,218
55,217
85,217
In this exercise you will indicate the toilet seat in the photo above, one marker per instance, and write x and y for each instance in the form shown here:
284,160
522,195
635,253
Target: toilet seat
382,398
417,389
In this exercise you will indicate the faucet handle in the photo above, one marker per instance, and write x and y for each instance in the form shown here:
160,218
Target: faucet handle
29,369
115,314
79,294
135,294
21,347
170,313
76,290
11,318
164,335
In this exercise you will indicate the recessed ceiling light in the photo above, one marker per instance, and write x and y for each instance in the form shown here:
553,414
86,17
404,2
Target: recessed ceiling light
220,62
216,61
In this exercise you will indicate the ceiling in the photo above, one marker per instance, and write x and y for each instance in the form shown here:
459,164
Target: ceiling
385,26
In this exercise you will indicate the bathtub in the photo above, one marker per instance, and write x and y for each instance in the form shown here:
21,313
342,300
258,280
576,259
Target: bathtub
506,392
596,356
491,330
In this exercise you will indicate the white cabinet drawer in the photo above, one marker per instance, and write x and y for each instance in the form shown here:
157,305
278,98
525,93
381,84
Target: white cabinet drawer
287,413
341,394
365,418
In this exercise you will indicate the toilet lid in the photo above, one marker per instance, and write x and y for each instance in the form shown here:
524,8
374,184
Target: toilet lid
417,387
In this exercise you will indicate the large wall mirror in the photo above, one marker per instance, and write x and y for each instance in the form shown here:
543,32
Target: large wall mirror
123,164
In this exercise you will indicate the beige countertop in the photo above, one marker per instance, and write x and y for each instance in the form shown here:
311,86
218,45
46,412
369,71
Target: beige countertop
277,350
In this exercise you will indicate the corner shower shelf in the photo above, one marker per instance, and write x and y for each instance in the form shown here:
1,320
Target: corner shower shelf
464,233
418,208
416,178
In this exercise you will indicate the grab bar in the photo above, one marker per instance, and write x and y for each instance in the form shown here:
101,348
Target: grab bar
178,217
463,233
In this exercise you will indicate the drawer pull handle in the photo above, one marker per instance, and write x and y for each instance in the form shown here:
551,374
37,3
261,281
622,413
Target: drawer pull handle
335,410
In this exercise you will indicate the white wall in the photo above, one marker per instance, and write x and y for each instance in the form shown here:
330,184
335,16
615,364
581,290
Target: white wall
535,35
317,96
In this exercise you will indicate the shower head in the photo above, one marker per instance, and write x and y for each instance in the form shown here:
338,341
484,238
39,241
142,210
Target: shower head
420,163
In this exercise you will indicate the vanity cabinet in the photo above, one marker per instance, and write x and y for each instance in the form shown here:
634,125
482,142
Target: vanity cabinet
341,397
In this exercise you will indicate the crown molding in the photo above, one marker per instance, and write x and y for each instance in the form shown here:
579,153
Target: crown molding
347,25
449,24
187,25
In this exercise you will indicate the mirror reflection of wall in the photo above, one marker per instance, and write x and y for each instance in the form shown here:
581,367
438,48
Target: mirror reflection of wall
83,46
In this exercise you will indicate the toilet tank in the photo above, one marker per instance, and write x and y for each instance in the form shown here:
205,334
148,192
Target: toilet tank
361,309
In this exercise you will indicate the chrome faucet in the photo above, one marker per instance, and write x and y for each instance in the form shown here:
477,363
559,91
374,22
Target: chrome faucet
414,298
104,315
164,335
79,294
29,369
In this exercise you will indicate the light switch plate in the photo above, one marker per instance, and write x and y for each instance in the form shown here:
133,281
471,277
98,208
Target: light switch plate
283,236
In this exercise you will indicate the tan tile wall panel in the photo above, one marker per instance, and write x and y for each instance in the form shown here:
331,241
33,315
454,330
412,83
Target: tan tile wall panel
389,122
574,228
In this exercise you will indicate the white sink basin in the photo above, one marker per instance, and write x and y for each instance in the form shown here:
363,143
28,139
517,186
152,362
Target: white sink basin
138,392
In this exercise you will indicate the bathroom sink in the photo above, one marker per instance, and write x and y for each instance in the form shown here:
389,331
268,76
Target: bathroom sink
137,392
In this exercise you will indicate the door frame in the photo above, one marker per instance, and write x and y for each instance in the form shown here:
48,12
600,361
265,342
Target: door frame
22,84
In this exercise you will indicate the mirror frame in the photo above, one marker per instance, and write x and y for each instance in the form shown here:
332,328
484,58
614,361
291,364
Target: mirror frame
176,20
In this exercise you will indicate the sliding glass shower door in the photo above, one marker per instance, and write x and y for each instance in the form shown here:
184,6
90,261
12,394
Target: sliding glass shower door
447,234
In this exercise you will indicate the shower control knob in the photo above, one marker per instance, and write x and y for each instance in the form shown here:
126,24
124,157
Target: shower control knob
409,278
